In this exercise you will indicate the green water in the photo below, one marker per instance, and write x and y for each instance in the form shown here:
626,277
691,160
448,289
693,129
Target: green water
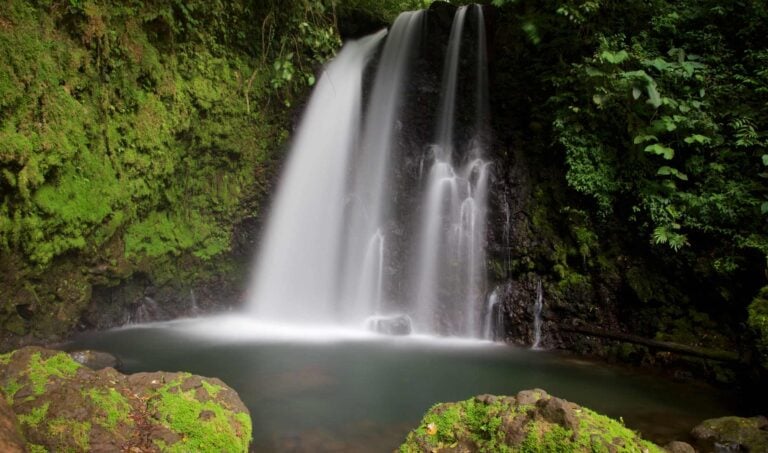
324,392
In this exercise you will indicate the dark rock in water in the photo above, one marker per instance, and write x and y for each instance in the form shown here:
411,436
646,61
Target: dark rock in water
736,434
679,447
64,406
393,325
10,435
95,360
531,421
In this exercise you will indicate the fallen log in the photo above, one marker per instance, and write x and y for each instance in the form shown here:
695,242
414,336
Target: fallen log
694,351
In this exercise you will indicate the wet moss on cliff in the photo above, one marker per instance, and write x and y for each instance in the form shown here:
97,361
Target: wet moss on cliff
135,136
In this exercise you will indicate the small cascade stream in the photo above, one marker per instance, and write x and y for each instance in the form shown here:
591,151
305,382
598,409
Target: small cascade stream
350,241
537,307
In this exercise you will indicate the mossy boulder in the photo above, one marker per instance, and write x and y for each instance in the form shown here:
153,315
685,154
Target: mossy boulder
531,421
732,434
64,406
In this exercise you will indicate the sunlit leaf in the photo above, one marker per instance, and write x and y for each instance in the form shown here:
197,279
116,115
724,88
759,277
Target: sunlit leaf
661,150
644,138
653,95
697,138
669,171
614,57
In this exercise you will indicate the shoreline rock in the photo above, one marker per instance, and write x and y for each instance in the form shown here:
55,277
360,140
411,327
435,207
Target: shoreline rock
530,421
732,434
62,405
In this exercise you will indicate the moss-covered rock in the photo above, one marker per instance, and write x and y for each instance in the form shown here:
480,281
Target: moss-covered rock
63,406
531,421
732,434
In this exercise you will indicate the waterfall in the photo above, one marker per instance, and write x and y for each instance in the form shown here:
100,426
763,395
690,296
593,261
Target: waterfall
296,271
194,310
450,271
490,324
537,307
364,259
349,238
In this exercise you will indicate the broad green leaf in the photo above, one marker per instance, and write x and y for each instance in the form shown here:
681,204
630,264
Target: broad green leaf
765,159
661,150
764,208
593,72
669,171
614,57
688,68
658,63
653,95
697,138
644,138
636,93
664,124
642,75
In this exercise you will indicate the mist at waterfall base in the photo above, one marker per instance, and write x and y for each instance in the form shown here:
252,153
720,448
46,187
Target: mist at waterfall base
381,211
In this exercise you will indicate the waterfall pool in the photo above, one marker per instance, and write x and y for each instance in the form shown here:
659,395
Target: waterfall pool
318,389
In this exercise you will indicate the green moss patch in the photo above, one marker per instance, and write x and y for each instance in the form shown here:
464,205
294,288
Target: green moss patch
66,431
35,416
41,370
202,425
113,405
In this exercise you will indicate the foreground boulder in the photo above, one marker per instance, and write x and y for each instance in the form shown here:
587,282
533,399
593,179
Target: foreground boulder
732,434
64,406
532,421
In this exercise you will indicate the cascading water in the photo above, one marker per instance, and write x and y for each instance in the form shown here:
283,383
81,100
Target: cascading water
333,249
296,273
450,272
489,324
537,307
365,242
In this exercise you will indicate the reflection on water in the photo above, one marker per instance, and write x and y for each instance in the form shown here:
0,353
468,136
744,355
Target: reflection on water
311,390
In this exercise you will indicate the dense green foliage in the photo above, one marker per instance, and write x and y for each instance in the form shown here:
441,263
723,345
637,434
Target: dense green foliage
664,123
667,124
654,114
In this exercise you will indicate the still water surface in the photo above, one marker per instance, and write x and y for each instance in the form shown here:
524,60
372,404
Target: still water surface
342,390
